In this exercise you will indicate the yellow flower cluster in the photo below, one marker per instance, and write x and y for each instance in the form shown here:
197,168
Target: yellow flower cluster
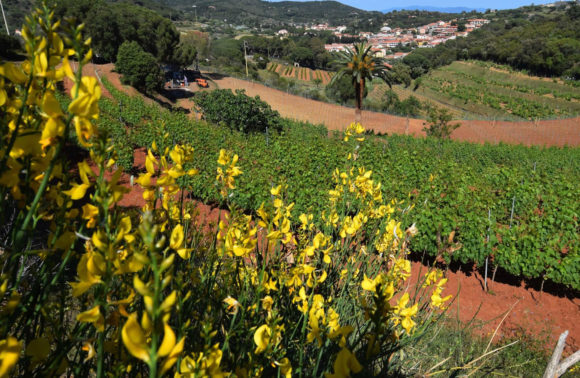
156,292
227,171
166,175
355,130
203,364
279,224
237,238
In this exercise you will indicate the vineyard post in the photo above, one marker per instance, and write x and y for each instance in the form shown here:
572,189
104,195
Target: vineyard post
512,213
487,257
246,56
557,367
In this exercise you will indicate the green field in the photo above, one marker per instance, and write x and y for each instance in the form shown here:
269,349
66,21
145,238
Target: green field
477,89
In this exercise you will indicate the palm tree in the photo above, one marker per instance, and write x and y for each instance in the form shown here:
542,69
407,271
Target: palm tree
361,65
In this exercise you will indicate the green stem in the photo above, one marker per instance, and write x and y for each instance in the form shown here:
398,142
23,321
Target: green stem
21,233
101,354
155,315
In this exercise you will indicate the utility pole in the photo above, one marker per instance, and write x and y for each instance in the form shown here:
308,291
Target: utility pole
246,56
4,16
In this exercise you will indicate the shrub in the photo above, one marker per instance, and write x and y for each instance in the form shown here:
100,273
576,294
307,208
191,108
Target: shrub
438,124
410,106
139,68
238,111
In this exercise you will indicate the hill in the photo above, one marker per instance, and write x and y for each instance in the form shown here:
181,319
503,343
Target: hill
542,40
17,10
249,12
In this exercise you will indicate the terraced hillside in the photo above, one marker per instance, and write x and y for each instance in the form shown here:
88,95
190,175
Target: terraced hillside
300,73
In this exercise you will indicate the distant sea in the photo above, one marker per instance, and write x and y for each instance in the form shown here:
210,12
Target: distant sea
435,9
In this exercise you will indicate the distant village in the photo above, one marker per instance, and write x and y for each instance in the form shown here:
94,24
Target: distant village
382,43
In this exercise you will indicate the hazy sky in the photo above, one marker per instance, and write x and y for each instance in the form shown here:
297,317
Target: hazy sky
382,4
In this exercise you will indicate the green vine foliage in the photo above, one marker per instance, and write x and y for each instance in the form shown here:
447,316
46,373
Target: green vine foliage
462,193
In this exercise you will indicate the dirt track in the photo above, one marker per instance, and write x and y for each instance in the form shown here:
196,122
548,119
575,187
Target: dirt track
335,117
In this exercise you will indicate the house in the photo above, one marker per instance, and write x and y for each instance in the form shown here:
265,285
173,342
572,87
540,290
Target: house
401,55
282,33
378,52
336,47
478,22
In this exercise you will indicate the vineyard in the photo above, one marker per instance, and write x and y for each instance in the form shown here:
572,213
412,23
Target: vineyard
204,235
477,89
300,73
513,206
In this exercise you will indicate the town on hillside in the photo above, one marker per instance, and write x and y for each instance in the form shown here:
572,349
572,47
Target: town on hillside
387,39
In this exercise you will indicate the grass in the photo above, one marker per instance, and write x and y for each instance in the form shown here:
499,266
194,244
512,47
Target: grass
456,349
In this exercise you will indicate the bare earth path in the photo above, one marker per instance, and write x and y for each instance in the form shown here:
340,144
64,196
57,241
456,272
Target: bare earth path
335,117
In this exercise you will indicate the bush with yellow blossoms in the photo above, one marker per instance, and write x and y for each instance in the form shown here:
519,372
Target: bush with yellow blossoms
89,287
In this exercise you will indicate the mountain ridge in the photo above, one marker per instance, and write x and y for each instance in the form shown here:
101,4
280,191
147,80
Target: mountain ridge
250,11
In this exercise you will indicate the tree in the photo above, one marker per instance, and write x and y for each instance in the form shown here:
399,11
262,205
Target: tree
303,56
360,64
166,41
438,125
184,55
342,90
261,61
138,67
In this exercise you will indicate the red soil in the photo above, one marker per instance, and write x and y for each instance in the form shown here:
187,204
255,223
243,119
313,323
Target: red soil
335,117
530,312
549,133
542,315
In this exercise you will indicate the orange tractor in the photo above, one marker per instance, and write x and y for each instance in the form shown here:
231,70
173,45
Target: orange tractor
201,82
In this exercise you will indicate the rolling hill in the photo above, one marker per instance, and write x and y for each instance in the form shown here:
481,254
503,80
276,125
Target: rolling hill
251,11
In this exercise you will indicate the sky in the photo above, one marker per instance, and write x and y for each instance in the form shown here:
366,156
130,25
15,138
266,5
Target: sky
492,4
